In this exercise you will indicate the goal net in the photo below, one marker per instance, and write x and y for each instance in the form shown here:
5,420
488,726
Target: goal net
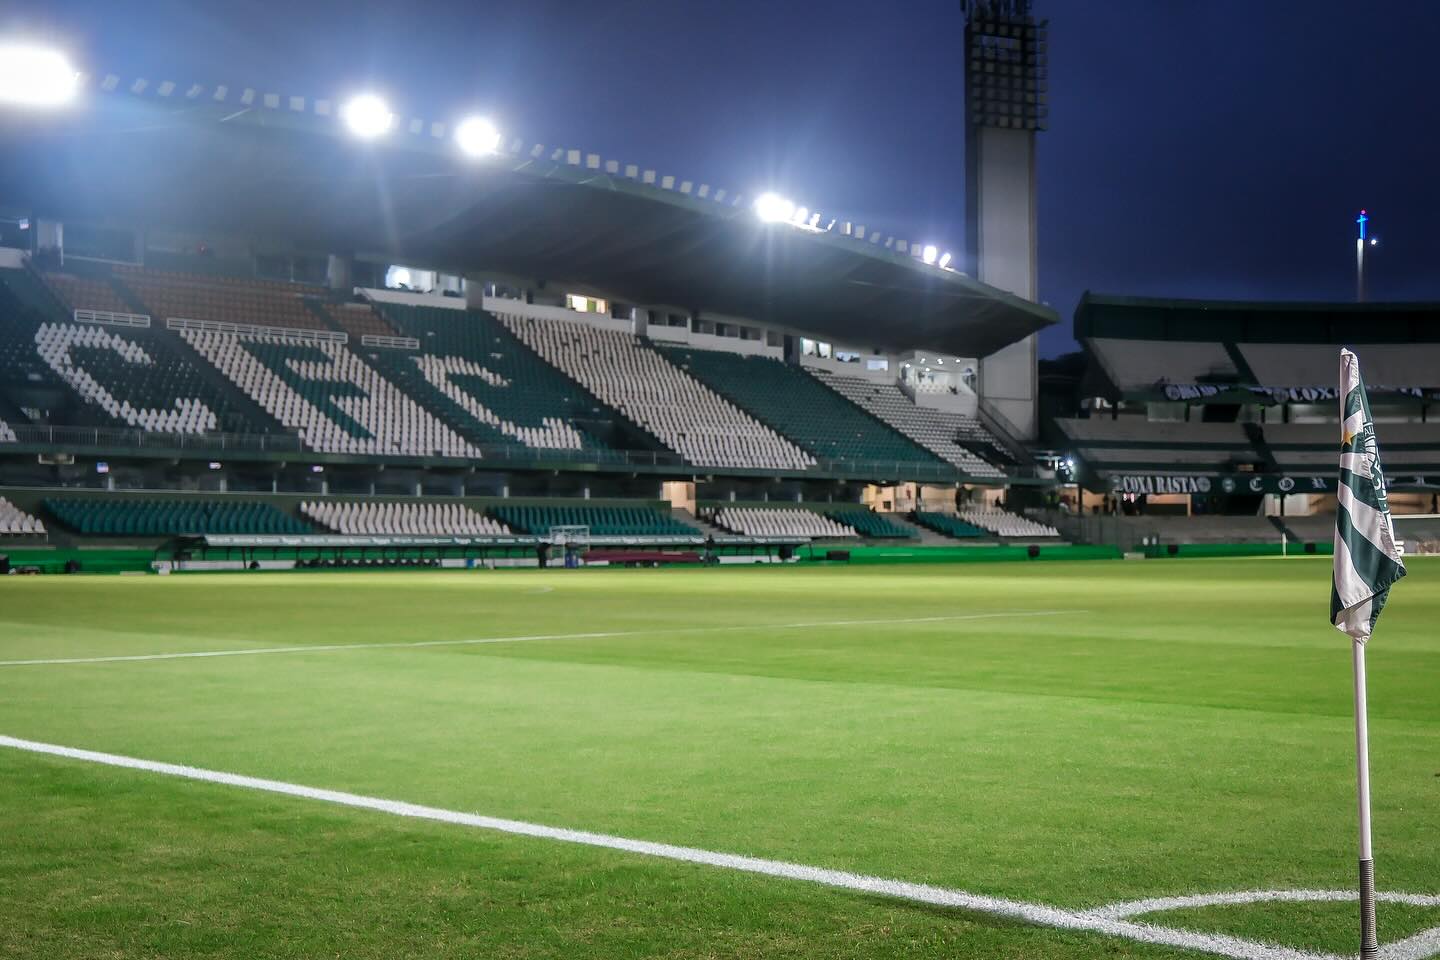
1417,533
571,536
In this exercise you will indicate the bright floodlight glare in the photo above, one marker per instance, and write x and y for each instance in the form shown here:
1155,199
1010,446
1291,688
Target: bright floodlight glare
477,136
771,207
929,253
367,116
945,261
801,214
1374,240
35,77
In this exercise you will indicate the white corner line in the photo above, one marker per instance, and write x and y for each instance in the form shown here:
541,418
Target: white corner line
1034,913
473,641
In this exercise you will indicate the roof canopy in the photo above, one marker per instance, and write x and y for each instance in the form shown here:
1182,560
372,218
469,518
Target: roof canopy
198,165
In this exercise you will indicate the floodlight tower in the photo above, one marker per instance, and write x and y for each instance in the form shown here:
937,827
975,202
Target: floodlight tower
1005,80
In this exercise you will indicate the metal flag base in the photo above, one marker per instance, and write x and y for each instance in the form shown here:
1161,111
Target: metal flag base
1369,945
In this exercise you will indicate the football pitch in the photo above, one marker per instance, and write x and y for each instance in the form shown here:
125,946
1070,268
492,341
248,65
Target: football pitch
978,760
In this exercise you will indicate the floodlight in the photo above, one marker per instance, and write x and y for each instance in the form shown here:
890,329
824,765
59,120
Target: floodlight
1374,240
35,77
367,116
771,207
477,136
945,262
929,254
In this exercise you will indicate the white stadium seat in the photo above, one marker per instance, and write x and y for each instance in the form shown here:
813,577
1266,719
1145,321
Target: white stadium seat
15,522
780,522
389,518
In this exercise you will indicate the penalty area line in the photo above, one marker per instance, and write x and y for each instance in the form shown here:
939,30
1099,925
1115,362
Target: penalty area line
475,641
1032,913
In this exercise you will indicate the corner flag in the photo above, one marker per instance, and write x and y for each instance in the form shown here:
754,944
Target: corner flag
1367,564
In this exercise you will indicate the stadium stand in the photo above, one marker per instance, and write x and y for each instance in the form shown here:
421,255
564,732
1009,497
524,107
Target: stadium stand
359,320
440,519
219,299
16,522
943,434
106,375
949,525
1131,364
780,522
1006,524
602,521
473,374
86,293
868,523
686,416
7,435
335,401
154,518
793,403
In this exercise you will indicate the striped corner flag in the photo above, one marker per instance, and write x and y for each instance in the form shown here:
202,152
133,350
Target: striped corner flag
1367,562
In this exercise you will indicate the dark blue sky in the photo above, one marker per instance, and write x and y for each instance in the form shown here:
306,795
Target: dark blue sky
1207,148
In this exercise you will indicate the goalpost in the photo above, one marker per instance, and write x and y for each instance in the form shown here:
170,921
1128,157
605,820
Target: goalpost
572,542
1415,537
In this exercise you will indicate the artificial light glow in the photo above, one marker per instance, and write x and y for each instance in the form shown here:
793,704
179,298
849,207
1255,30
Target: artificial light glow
929,254
945,262
801,214
1374,240
367,116
477,136
35,77
772,208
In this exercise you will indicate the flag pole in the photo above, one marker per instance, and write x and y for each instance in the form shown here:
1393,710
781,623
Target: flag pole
1369,944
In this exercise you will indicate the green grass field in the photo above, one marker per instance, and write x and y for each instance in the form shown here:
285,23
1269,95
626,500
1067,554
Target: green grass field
1107,732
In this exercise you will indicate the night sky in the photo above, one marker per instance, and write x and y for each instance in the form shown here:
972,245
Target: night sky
1197,148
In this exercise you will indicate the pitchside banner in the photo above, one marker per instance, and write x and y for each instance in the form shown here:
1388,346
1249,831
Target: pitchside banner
1155,483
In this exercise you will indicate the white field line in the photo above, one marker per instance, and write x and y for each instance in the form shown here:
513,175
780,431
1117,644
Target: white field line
325,647
1034,913
1134,908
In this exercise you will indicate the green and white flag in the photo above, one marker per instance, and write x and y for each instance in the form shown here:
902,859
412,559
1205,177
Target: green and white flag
1367,562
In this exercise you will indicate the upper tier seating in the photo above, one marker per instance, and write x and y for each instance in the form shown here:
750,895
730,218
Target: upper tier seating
868,523
157,518
804,411
942,433
473,374
780,522
1006,524
602,521
223,299
686,416
323,391
434,519
949,525
86,293
87,374
15,522
359,320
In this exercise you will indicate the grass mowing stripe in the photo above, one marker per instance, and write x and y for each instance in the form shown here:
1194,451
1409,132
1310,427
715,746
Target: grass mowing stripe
600,635
1037,914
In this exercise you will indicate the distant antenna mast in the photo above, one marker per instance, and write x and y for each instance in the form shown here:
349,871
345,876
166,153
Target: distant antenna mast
1360,242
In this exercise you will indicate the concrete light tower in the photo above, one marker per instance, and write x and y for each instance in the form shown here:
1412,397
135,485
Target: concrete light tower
1005,106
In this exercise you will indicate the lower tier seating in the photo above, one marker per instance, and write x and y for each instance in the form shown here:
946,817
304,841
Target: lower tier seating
1006,524
949,525
159,518
16,522
868,523
949,436
435,519
334,400
602,521
780,522
223,299
7,435
679,411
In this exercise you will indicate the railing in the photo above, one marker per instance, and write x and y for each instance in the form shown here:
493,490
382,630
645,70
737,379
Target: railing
393,343
112,319
74,439
257,330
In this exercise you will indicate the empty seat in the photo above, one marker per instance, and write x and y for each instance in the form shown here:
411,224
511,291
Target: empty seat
15,522
781,522
382,518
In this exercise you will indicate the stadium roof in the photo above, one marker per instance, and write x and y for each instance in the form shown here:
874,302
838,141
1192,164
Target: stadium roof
1236,321
261,169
